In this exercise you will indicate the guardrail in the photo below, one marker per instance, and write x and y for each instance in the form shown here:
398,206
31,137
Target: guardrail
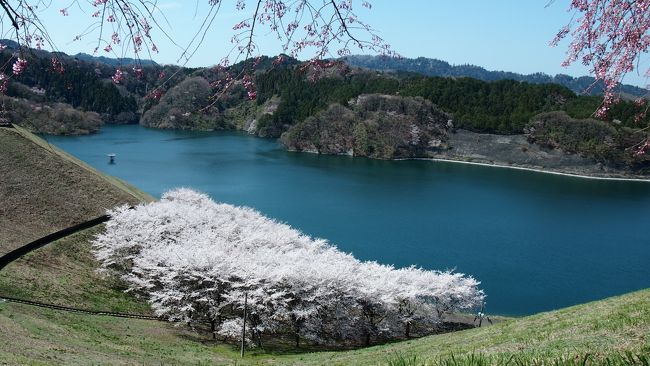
79,310
38,243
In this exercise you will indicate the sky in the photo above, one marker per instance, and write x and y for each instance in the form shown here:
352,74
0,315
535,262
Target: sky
508,35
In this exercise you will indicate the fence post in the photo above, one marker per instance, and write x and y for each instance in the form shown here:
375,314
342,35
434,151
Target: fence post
243,331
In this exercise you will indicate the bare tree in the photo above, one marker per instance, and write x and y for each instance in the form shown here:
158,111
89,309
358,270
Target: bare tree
318,28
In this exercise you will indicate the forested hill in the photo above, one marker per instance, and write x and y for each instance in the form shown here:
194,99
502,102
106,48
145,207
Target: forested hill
502,107
288,95
435,67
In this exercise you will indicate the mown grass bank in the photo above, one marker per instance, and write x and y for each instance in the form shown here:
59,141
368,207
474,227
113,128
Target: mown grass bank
45,189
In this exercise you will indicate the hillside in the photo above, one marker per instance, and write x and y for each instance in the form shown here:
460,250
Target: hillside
435,67
294,101
122,61
45,190
376,126
64,273
495,104
602,328
41,336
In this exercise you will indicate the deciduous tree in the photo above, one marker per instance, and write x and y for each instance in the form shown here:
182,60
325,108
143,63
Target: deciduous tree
609,36
192,258
320,28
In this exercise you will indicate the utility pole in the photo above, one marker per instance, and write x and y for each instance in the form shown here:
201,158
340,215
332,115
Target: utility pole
481,315
243,330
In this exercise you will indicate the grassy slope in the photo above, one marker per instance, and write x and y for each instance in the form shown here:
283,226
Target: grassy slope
36,336
64,273
603,327
45,189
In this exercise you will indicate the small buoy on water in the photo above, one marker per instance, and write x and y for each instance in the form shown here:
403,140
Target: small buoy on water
111,158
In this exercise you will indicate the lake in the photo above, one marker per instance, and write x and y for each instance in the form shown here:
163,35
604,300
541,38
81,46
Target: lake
536,241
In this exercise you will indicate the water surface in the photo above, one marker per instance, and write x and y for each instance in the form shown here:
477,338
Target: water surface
536,241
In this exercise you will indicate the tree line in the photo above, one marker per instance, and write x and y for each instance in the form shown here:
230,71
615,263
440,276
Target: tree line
503,107
192,258
82,85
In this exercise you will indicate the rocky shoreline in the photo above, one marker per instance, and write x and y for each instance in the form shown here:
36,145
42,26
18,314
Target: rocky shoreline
614,177
515,152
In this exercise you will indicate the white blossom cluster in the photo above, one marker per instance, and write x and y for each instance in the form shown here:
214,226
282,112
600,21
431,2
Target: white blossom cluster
192,258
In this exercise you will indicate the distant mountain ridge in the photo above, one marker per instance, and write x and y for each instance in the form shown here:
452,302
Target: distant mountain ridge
123,61
110,61
435,67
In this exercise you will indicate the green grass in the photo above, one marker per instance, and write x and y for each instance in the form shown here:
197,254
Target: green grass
477,359
64,273
40,336
606,327
35,336
43,186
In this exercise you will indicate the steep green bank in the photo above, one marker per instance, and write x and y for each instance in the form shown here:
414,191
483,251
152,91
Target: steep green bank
45,189
600,328
65,273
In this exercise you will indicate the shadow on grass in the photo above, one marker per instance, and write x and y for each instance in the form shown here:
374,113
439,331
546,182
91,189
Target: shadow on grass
478,359
284,344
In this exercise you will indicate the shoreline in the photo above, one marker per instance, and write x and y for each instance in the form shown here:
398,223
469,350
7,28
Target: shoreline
460,161
535,170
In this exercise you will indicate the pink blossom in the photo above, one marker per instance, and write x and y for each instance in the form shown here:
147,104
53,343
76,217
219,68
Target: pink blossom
57,66
250,87
607,36
279,60
19,66
139,73
240,25
137,42
643,148
118,76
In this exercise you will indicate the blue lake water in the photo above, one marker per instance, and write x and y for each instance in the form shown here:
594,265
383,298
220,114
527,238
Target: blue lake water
536,241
